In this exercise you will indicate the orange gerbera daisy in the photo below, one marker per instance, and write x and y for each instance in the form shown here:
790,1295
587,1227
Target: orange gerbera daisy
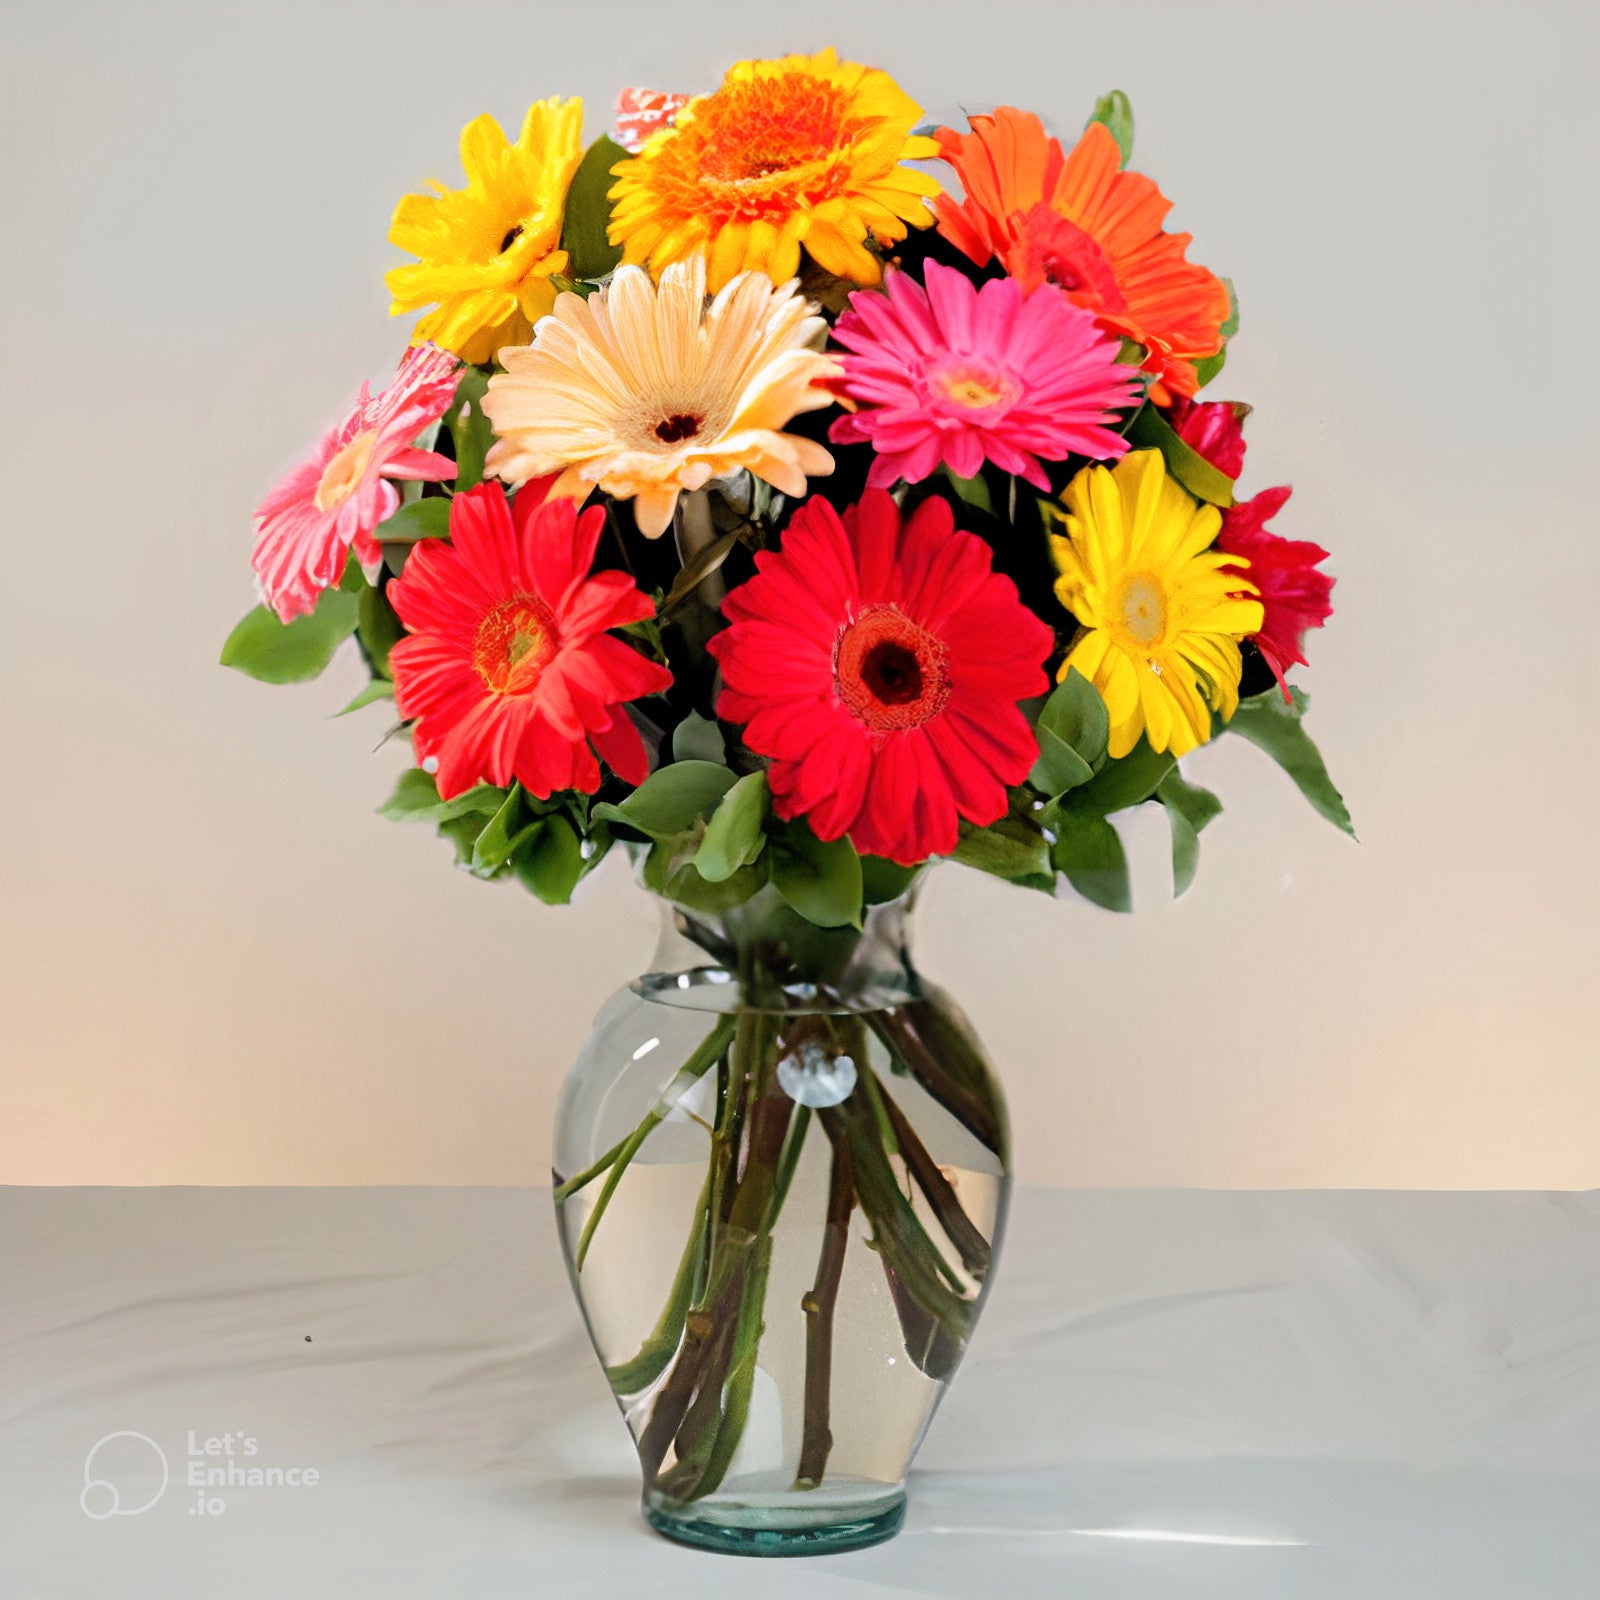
1079,221
802,151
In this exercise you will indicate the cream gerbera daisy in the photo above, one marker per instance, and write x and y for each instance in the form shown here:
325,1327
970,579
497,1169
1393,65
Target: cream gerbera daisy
1163,612
646,392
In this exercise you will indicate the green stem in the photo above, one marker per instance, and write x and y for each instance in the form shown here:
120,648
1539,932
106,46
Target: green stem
816,1439
636,1375
789,1160
708,1051
589,1174
946,1065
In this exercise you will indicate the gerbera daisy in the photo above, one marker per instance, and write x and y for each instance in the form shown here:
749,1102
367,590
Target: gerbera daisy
1294,595
804,151
961,374
1162,612
640,112
879,666
1213,429
507,666
1079,221
647,392
487,252
334,498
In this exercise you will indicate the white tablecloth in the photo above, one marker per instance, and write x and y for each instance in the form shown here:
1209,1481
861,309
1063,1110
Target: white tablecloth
1220,1396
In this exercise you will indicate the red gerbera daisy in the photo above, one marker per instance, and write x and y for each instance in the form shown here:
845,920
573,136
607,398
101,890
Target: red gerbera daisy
879,667
1294,595
508,667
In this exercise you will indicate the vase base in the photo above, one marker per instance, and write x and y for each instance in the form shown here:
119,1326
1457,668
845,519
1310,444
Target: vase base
791,1529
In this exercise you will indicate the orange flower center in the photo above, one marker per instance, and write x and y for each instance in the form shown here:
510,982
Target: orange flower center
1140,609
343,474
515,643
760,146
891,674
976,387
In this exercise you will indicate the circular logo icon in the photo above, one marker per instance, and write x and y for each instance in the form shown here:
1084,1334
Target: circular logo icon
100,1498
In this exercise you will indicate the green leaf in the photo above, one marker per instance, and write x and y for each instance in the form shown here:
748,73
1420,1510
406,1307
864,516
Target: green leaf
696,570
1059,766
1077,715
261,647
588,213
669,870
1271,725
1122,782
1189,809
1114,111
733,837
819,879
670,800
1207,367
462,831
417,519
416,799
378,689
1151,431
469,428
505,831
1009,849
548,860
1090,853
698,738
883,880
378,628
974,491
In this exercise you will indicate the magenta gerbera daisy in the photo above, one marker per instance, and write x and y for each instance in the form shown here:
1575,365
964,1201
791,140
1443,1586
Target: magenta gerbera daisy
333,498
879,666
957,373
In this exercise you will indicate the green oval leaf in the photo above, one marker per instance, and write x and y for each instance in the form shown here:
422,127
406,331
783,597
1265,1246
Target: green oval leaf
417,519
821,879
1123,782
588,213
1090,853
733,837
263,648
1009,849
671,800
1274,726
1116,113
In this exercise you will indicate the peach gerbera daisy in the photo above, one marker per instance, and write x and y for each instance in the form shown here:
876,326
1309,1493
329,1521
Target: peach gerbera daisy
802,151
1077,220
646,392
487,252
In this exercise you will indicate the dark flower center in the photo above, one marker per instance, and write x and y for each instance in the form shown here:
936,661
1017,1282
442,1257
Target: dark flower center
679,426
890,673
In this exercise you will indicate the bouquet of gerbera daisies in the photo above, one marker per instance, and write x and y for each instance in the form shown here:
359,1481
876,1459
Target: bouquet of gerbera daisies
793,495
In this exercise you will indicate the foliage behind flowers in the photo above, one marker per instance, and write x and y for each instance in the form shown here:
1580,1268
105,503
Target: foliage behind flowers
956,564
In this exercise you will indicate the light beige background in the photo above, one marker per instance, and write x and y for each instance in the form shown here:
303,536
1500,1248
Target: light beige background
218,966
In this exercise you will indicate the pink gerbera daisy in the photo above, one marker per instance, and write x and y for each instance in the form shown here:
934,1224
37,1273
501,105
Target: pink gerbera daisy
333,499
960,374
508,666
879,666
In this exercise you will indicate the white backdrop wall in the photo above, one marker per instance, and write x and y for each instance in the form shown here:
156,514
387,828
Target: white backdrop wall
219,966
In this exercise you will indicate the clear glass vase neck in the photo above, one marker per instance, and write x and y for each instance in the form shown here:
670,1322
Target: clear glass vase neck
763,955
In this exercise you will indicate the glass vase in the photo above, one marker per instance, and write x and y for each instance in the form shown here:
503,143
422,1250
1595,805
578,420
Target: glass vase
781,1174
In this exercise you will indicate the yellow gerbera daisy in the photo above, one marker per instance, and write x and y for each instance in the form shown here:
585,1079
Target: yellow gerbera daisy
1163,612
647,392
801,151
487,252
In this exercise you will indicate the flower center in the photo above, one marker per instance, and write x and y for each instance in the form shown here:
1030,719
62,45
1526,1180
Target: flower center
762,142
678,427
515,643
1057,251
890,674
975,387
1141,609
343,474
